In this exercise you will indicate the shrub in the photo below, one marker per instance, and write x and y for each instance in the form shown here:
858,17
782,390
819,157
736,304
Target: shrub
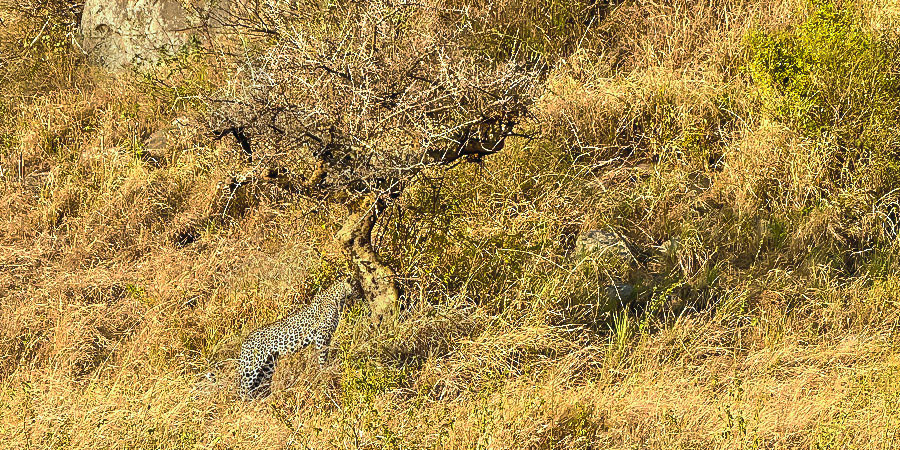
830,77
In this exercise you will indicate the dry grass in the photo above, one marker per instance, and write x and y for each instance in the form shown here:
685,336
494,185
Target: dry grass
766,293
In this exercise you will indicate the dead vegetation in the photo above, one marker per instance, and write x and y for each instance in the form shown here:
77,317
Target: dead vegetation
747,151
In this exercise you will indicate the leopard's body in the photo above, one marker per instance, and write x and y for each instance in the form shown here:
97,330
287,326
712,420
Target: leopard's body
313,324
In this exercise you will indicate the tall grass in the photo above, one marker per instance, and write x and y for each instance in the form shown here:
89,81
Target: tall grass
745,150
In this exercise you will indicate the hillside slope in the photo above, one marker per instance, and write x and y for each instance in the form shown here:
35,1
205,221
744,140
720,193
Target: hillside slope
747,151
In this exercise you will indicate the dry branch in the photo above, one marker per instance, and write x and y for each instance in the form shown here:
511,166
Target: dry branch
359,103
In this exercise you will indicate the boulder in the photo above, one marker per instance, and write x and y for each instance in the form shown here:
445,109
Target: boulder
117,34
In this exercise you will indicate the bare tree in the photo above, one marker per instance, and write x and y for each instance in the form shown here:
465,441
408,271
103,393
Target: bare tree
351,102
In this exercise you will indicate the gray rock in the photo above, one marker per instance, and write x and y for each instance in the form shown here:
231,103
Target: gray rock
157,146
599,242
158,140
120,33
619,292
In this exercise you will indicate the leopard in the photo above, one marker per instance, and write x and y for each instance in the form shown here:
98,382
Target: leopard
312,324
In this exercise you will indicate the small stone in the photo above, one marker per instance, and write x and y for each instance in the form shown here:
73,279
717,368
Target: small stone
155,147
619,291
600,242
157,140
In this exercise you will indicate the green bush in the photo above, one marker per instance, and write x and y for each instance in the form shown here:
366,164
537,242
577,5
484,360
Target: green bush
832,78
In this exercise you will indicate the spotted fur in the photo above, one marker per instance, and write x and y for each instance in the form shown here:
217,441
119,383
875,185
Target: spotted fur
313,324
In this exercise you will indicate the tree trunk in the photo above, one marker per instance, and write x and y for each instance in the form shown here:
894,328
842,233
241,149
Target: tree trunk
376,279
